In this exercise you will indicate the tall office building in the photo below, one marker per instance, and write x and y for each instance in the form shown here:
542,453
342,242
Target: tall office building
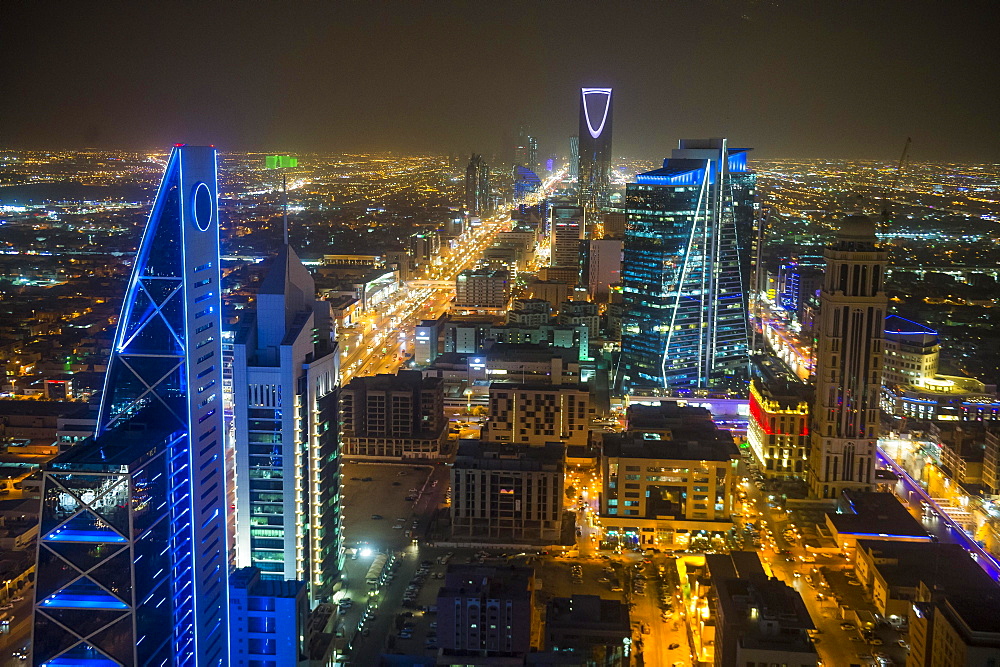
850,332
526,151
132,553
685,267
574,157
286,372
566,225
594,145
477,186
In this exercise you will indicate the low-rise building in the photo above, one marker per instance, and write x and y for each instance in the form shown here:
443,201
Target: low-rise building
483,291
535,414
778,428
588,626
502,491
393,417
870,515
758,620
660,488
485,612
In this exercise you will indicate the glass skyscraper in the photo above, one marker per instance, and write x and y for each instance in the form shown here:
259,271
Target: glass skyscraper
132,553
594,146
285,375
685,270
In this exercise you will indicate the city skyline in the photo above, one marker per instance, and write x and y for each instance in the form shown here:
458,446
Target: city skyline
784,92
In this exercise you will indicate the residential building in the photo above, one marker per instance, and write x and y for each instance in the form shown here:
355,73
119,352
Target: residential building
594,141
581,313
662,487
529,312
684,272
504,491
268,621
133,552
484,291
286,369
486,611
604,267
593,628
536,414
393,417
850,333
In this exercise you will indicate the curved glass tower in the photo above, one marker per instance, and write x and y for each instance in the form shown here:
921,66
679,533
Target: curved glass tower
686,264
132,556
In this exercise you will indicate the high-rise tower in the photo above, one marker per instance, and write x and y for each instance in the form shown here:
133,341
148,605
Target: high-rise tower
132,552
845,416
285,373
685,267
594,144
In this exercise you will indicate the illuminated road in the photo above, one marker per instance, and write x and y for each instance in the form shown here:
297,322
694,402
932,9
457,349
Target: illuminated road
912,494
381,338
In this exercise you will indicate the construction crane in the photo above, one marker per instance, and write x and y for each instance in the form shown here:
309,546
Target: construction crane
886,214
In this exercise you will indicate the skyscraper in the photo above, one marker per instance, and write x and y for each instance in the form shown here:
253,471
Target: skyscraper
850,332
574,157
566,224
685,267
286,372
477,186
132,554
594,145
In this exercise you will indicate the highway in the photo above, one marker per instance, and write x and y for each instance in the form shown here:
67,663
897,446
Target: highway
378,342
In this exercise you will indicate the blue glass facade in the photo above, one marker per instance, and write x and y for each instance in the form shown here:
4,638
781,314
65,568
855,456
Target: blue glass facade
685,269
134,521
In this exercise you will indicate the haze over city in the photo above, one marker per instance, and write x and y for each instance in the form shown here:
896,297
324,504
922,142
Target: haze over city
452,333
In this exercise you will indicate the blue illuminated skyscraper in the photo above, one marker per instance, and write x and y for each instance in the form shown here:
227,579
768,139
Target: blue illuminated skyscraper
594,146
132,555
685,270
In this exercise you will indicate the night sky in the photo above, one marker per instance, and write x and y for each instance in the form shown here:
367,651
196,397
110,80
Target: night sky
792,78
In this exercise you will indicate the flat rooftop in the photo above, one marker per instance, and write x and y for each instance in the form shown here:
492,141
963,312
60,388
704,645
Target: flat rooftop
476,454
684,444
875,514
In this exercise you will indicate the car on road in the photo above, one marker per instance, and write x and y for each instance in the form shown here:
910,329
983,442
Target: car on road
673,646
7,606
846,626
376,517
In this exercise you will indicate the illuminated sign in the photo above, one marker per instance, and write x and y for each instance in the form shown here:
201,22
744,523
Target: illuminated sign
606,92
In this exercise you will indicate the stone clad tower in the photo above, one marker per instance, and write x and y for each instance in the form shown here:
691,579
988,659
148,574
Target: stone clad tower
848,362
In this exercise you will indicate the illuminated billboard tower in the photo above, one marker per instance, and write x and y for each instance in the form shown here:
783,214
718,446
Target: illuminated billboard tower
684,271
132,552
594,145
850,334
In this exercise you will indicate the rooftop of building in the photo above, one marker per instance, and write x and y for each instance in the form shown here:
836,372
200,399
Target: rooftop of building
894,324
126,446
875,514
540,388
475,454
734,565
489,581
687,443
529,353
760,598
402,381
666,415
587,612
947,568
978,611
248,579
32,408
